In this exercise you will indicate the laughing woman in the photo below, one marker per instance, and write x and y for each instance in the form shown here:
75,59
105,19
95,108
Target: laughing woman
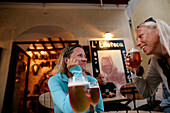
153,37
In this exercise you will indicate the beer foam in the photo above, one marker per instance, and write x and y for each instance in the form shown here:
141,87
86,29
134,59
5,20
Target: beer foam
133,50
78,83
93,86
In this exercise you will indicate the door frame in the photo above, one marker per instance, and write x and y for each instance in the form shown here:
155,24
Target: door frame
9,91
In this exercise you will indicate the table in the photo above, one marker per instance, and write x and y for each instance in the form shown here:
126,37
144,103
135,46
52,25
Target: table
114,103
117,99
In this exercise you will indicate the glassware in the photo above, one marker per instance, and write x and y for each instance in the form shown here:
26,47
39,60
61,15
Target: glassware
118,94
78,93
135,58
94,92
107,92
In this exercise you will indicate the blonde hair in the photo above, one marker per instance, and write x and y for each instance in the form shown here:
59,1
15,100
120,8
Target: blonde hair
61,65
151,25
150,22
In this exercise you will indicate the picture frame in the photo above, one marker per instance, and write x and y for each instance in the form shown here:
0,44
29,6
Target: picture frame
108,58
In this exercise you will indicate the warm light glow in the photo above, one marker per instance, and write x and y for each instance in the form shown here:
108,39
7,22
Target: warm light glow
42,52
49,47
108,35
29,53
31,47
40,47
52,52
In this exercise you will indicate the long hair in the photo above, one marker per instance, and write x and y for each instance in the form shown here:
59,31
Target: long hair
61,65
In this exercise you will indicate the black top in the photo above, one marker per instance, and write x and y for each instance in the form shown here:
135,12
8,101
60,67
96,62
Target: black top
166,68
109,86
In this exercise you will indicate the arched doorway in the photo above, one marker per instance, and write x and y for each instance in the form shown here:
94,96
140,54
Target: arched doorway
44,34
38,32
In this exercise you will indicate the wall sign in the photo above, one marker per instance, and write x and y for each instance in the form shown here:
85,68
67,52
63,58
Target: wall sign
108,58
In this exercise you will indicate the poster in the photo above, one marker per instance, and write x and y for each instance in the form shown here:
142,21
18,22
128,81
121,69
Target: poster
108,58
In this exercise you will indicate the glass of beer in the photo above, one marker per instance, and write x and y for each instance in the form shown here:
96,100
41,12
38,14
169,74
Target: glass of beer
135,58
78,93
94,92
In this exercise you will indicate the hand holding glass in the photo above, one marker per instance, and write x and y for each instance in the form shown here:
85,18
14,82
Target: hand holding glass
135,58
78,94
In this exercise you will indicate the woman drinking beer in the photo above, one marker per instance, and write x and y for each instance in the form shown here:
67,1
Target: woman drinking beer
71,63
153,37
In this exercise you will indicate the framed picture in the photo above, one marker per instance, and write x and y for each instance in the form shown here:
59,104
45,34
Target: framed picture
108,58
87,51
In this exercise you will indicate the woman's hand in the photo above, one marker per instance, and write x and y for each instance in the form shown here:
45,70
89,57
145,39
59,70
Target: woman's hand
128,63
71,63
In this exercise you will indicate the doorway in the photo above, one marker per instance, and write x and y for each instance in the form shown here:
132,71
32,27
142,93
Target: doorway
17,81
19,85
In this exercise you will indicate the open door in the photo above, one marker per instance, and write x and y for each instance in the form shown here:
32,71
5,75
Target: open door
17,82
17,98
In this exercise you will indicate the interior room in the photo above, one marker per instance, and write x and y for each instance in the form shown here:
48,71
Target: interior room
33,34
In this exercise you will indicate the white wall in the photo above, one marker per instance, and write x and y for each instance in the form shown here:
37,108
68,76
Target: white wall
151,8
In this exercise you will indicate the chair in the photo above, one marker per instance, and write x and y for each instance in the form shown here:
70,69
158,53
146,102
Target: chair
129,91
45,100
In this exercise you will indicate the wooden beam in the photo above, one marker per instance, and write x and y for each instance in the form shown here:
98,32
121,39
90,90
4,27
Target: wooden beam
62,42
45,42
51,42
38,50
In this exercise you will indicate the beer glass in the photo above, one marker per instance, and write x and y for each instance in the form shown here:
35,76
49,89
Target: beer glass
135,58
107,92
94,92
78,93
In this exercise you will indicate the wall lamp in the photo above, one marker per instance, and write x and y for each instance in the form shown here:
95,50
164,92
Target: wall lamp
108,35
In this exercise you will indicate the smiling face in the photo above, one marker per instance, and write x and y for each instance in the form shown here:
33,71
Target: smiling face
148,40
79,55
